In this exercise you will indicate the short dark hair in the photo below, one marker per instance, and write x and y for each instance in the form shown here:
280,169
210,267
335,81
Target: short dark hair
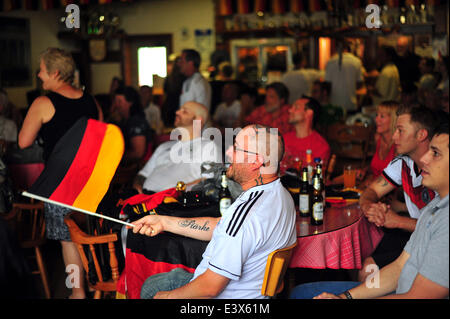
429,62
421,115
442,126
281,89
194,56
131,95
324,86
313,105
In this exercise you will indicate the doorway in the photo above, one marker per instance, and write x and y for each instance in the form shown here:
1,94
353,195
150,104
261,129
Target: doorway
144,57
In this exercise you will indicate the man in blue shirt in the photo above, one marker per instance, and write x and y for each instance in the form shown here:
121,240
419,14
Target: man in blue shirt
422,269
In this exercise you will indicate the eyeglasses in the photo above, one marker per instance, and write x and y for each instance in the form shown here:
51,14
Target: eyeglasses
235,148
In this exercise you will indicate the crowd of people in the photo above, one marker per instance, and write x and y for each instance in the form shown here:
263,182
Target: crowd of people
411,155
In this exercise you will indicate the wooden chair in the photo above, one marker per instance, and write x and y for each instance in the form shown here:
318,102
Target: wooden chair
276,266
350,141
82,240
27,219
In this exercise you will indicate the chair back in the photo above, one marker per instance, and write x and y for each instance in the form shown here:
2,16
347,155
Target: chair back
350,141
90,258
28,222
276,266
27,219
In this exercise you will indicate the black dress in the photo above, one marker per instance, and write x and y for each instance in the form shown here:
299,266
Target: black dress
67,112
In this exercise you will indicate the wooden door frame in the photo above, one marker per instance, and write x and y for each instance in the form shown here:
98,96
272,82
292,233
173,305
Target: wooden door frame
127,64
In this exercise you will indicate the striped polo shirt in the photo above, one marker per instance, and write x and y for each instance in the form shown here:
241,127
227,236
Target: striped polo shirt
261,220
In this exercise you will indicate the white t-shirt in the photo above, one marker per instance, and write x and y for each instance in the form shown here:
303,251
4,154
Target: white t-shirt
388,85
8,129
175,161
153,117
402,171
196,88
261,220
299,82
343,79
227,115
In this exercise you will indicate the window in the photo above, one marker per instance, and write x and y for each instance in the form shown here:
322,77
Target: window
151,61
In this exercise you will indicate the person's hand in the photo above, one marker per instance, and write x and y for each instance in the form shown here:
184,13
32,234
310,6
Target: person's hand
391,219
376,213
150,225
327,295
162,295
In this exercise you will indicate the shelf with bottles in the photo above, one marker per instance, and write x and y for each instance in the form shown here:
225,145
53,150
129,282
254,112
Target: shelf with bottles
262,24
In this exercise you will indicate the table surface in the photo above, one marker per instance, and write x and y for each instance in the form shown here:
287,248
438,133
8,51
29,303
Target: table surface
334,218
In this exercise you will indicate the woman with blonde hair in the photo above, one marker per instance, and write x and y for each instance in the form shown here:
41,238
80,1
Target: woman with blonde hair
385,127
385,147
50,117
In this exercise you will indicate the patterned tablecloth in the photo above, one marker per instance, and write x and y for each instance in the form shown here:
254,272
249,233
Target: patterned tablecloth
343,248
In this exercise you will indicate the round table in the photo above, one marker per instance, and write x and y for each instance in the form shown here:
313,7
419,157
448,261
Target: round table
343,241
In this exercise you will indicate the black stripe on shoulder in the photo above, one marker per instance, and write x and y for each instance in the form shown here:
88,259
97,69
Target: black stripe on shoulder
390,180
246,213
224,270
238,212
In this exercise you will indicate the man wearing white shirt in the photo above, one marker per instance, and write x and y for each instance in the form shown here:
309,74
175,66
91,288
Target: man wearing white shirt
180,160
345,75
195,88
300,80
387,86
261,220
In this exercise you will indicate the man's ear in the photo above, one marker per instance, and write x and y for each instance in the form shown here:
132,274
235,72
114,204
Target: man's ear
422,134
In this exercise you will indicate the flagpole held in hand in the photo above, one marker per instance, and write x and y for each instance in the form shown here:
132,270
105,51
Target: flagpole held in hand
43,199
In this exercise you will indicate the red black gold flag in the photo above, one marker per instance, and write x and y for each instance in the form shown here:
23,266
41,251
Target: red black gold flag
82,164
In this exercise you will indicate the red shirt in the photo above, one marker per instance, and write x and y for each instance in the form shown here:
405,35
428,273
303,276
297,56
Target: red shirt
295,149
261,116
377,165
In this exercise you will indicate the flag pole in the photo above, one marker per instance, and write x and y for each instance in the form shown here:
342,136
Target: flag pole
43,199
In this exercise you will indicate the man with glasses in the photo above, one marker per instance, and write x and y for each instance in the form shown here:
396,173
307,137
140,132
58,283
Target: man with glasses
261,220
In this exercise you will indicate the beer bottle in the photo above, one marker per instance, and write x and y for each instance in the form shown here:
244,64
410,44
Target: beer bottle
309,165
304,196
224,195
322,184
317,203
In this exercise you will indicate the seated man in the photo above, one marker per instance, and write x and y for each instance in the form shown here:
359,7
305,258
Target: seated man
412,136
175,160
422,269
274,112
261,220
303,115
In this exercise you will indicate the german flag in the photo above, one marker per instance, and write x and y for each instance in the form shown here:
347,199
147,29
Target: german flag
82,164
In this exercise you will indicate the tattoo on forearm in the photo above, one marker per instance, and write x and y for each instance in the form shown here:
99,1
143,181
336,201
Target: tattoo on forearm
383,182
190,223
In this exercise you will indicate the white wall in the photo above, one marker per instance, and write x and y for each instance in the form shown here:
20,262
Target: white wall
144,17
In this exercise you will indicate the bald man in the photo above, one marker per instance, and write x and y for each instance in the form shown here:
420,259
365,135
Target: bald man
180,158
261,220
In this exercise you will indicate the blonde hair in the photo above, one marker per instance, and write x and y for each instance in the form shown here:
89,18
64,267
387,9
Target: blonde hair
61,61
391,107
